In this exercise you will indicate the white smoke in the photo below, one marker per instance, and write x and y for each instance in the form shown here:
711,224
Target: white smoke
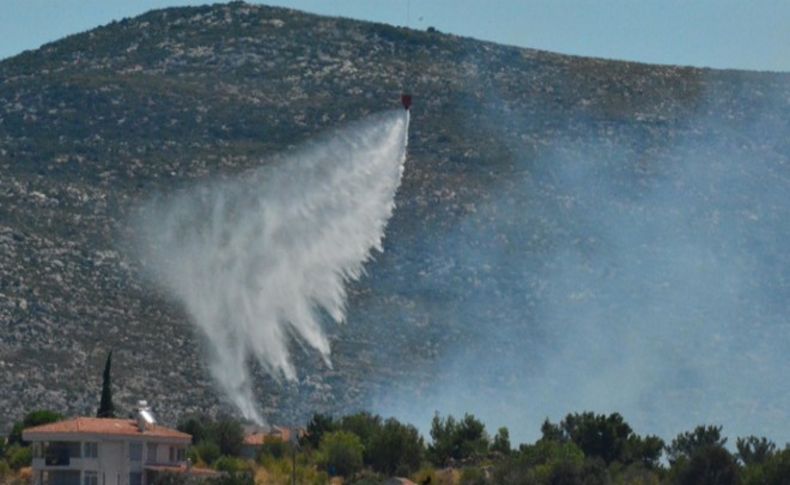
255,260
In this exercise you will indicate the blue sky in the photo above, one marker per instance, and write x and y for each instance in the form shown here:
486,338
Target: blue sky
713,33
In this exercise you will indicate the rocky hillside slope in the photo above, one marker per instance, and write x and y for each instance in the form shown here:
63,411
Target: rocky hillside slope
511,150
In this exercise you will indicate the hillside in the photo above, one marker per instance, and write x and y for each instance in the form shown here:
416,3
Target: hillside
565,224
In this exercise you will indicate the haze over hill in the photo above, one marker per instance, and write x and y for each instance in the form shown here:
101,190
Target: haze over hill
570,233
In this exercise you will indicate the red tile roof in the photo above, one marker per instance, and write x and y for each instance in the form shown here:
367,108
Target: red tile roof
277,433
105,426
255,439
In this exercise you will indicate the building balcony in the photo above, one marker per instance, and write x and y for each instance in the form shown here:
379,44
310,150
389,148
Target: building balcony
63,463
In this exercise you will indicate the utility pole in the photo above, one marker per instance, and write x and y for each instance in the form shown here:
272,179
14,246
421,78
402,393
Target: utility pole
294,439
293,465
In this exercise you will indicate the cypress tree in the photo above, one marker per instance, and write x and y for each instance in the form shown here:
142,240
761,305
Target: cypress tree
106,408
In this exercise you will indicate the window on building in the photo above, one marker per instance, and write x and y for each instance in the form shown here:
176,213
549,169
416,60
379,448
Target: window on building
135,452
172,454
90,478
90,450
181,454
135,478
152,448
62,477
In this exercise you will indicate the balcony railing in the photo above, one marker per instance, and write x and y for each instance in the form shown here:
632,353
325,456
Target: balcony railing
61,458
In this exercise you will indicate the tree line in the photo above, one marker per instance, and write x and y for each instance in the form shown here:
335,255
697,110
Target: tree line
364,448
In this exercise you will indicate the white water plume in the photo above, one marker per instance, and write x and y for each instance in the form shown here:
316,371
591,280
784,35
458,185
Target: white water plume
255,260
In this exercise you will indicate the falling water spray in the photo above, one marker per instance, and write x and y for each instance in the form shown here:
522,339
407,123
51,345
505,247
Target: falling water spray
259,259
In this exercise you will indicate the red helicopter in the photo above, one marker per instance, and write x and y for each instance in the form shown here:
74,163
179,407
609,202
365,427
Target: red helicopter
405,99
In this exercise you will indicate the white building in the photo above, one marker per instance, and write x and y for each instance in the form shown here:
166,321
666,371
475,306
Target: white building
102,451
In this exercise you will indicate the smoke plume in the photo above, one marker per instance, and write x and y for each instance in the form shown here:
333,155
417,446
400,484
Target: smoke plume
643,271
261,259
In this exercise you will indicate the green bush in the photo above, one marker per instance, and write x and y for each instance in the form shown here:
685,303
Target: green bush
243,478
5,470
231,464
473,476
340,453
274,448
542,462
208,451
19,456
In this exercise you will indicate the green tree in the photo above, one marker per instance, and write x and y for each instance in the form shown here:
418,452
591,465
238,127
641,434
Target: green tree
710,464
340,453
228,434
753,450
686,444
397,449
319,425
501,443
645,451
600,436
456,440
365,425
195,425
777,468
552,432
33,418
609,438
106,407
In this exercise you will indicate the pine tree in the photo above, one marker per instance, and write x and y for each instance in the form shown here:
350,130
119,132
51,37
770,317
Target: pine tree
106,408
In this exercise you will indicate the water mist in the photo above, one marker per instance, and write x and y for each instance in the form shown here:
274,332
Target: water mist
259,259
